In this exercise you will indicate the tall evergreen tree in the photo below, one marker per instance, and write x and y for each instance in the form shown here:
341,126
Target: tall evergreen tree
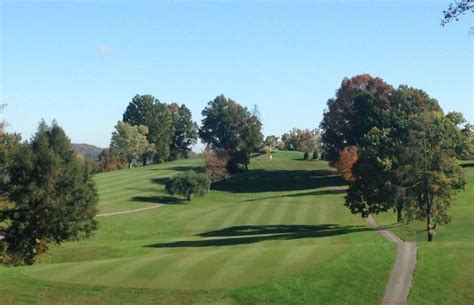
53,194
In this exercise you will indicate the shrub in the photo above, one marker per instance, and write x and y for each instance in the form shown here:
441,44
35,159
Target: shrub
110,160
306,155
323,156
315,155
216,165
188,184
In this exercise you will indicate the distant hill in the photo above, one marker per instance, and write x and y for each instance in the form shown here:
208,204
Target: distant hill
89,151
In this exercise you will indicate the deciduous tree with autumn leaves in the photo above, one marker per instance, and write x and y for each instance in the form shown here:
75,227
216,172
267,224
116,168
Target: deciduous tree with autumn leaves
396,148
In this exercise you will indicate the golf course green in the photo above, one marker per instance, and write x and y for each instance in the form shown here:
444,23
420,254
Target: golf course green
278,234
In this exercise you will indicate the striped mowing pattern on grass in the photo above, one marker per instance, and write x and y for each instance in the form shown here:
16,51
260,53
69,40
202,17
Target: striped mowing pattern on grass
254,240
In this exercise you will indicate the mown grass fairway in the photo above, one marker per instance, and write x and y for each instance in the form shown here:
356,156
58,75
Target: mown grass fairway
276,235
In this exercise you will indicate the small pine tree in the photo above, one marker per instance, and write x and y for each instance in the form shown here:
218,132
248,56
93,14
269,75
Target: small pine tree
315,155
306,155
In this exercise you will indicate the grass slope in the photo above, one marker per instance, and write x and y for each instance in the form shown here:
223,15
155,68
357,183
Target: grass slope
445,268
276,235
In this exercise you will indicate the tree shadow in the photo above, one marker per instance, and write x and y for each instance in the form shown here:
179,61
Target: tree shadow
158,199
332,191
239,235
186,168
161,180
260,180
179,168
464,165
141,189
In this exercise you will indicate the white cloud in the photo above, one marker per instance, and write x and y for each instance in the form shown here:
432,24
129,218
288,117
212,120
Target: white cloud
105,49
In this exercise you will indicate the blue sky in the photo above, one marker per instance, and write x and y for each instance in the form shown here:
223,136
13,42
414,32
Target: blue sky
80,62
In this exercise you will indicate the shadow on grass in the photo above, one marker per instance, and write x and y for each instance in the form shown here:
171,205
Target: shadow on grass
158,199
333,191
239,235
179,168
467,164
161,180
259,180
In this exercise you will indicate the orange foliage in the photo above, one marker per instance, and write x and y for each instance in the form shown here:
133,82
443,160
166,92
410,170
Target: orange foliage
348,157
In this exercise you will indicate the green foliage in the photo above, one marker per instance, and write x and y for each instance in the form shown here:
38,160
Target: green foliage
149,111
110,160
229,126
360,104
53,194
272,141
315,155
407,154
432,172
301,140
306,155
317,236
130,141
185,131
188,184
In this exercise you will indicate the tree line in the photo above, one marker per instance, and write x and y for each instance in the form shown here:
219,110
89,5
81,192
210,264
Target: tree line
396,148
48,196
155,132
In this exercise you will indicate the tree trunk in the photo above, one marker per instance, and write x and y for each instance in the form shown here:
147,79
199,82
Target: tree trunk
429,228
189,196
399,214
144,161
129,164
429,224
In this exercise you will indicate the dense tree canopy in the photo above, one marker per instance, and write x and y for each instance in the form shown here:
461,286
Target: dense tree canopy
148,111
130,141
432,172
229,126
185,131
386,126
110,160
272,141
361,96
52,192
302,140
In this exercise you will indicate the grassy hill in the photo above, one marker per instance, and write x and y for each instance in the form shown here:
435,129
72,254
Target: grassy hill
276,235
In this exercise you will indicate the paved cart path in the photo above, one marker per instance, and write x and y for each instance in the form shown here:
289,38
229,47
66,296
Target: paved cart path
401,277
129,211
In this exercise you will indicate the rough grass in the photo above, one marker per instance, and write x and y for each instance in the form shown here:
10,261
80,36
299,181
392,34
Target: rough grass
445,268
276,235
